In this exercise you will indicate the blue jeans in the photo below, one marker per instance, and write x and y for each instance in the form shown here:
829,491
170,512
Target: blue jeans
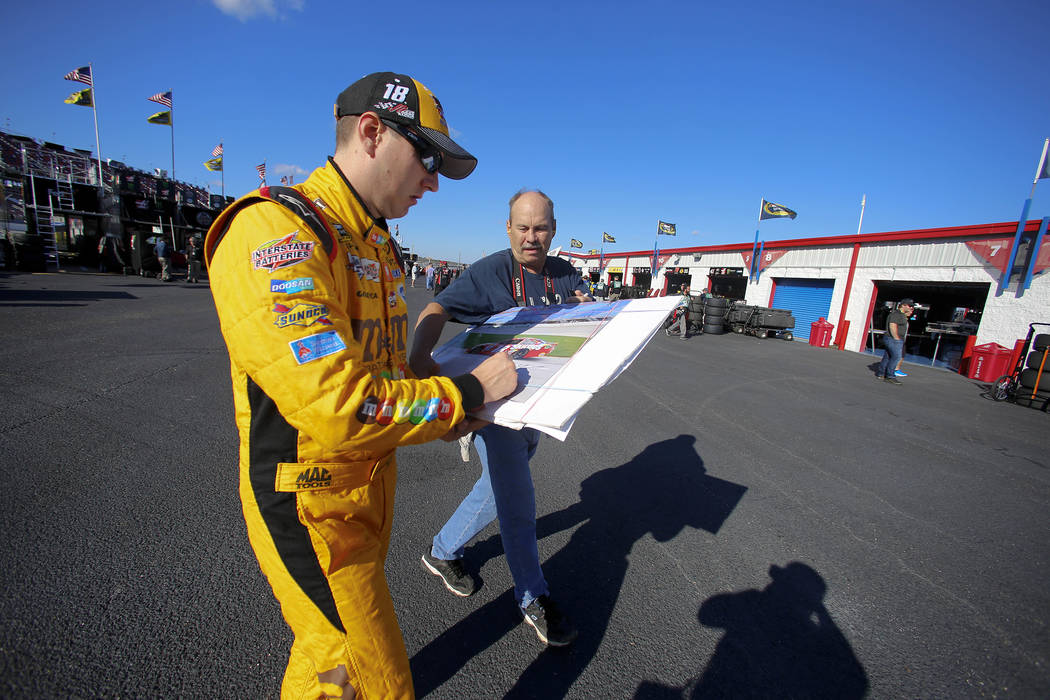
894,350
504,490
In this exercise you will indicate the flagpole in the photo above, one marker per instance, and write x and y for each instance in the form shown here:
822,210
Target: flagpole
754,246
222,171
1004,281
863,200
171,117
94,113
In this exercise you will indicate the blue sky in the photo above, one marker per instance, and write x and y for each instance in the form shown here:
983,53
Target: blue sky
689,112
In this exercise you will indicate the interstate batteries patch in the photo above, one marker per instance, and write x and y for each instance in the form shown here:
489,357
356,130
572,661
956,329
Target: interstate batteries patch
282,252
314,347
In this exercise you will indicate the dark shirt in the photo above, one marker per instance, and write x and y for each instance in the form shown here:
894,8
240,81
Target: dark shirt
486,287
898,318
161,249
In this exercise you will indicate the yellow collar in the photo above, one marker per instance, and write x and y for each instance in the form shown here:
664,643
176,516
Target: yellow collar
333,194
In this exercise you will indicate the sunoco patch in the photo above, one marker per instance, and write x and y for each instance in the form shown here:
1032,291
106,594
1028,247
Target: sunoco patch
300,314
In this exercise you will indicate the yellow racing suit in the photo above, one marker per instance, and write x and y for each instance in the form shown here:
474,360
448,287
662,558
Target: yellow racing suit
316,326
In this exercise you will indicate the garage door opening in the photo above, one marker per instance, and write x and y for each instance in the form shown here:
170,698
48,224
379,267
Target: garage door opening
946,315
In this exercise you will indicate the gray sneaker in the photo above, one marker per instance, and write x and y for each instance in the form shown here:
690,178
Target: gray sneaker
892,380
551,625
451,572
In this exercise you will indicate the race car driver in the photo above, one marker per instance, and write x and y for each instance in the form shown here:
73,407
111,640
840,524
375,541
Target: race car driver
310,293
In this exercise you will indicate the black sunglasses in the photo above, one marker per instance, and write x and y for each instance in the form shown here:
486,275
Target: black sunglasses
429,155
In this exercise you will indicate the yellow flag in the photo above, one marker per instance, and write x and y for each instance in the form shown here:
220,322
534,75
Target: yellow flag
213,164
81,98
163,118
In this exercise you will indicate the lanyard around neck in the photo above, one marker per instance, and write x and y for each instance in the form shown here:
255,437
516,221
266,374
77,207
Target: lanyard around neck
518,285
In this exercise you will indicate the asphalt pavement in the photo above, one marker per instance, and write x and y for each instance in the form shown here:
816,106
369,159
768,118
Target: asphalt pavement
732,517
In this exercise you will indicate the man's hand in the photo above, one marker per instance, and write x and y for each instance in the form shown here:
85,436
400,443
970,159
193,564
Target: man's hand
497,375
580,297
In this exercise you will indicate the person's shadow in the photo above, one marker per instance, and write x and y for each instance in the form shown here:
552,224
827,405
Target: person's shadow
779,642
661,491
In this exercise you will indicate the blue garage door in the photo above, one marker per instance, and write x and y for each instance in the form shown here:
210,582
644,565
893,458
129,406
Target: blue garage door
808,301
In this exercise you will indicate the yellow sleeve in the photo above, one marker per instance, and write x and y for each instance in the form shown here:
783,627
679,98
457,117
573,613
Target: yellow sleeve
320,350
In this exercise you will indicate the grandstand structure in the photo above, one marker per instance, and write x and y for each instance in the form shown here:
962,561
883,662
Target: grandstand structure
55,212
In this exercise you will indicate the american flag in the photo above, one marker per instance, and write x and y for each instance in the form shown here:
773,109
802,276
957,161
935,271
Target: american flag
162,98
81,75
217,151
261,167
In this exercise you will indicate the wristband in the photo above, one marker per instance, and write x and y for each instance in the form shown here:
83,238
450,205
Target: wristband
473,392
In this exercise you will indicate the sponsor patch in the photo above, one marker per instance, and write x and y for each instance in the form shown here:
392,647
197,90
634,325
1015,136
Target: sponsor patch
396,108
314,347
282,252
392,299
385,413
313,477
299,284
366,412
371,269
366,294
378,237
354,263
401,292
300,314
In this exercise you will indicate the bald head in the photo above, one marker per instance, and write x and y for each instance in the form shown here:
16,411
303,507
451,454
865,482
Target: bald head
531,228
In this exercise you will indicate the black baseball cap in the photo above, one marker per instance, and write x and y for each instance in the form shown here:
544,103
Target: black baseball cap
906,302
398,98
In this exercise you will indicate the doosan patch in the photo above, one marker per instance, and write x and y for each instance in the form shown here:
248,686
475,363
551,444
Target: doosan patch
282,252
314,347
299,284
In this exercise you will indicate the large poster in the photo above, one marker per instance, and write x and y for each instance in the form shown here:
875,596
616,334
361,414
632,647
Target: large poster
563,353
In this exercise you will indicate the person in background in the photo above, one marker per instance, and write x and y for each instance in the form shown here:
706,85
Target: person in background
683,313
522,275
893,341
161,251
193,259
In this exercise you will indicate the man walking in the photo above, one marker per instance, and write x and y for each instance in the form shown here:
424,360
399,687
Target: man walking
522,275
309,288
893,341
161,251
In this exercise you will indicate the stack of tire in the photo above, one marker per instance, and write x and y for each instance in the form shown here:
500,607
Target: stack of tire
715,310
1035,377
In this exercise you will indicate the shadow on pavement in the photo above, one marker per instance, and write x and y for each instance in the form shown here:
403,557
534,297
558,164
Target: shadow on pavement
10,297
661,491
778,642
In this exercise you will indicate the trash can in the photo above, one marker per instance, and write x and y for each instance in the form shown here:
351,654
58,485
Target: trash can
820,333
989,362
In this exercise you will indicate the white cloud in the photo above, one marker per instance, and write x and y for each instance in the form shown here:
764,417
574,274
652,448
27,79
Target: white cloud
247,9
286,169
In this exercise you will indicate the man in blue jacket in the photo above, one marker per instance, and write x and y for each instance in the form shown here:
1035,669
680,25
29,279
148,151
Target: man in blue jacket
522,275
